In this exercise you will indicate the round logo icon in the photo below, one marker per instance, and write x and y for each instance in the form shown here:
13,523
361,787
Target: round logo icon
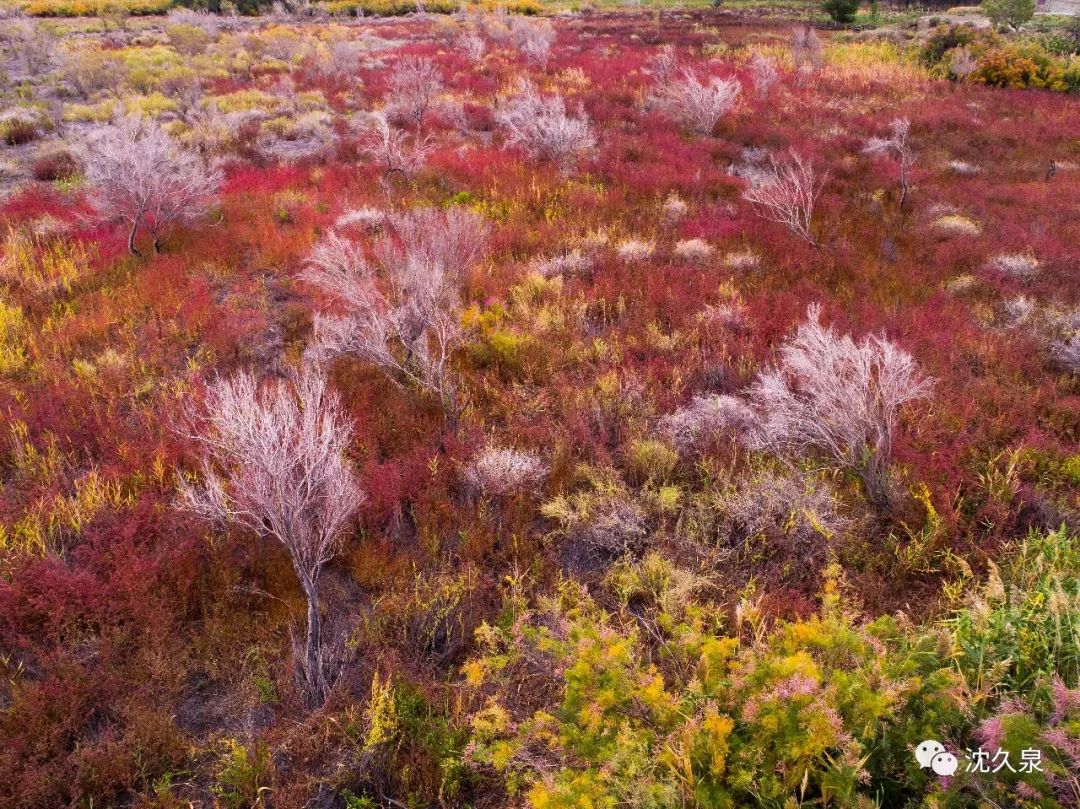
926,751
944,764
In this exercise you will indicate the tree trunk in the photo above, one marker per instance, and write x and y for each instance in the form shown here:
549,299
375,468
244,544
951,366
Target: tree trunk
131,238
314,676
876,482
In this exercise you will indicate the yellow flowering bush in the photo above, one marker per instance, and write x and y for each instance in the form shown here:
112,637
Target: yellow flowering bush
653,703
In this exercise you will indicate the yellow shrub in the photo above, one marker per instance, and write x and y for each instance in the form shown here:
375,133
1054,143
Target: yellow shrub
244,101
49,524
86,113
879,62
149,106
12,337
93,8
41,265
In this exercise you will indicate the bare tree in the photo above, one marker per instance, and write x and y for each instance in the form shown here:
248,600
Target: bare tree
341,58
897,145
843,398
764,73
541,126
806,50
415,87
394,149
472,45
533,39
141,176
406,320
663,64
698,104
201,19
787,195
28,43
273,464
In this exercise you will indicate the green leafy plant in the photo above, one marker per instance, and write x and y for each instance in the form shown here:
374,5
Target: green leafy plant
1023,625
841,11
654,705
243,773
1013,13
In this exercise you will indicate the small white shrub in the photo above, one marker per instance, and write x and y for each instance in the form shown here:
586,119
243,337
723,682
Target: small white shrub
695,251
633,251
1021,266
499,472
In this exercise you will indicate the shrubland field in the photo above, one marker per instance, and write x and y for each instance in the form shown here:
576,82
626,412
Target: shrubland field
617,409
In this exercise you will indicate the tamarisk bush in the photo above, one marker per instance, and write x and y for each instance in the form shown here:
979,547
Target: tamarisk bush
533,39
393,148
794,513
663,64
787,194
405,320
472,44
415,86
697,104
541,126
843,398
707,418
764,73
806,49
139,175
272,463
500,472
897,145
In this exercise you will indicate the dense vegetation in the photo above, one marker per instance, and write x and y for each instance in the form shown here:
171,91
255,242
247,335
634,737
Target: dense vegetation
616,409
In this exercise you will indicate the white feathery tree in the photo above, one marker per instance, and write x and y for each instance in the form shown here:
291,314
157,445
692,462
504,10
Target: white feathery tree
393,148
787,195
841,397
415,87
139,175
402,312
533,38
541,126
897,146
698,104
273,463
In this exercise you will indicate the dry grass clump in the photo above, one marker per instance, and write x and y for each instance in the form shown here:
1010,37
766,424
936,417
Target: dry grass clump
955,224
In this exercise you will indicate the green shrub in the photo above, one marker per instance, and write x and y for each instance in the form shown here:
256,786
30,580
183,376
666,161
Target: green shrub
841,11
1023,626
651,702
1011,12
1021,66
243,774
654,706
414,742
946,38
997,63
